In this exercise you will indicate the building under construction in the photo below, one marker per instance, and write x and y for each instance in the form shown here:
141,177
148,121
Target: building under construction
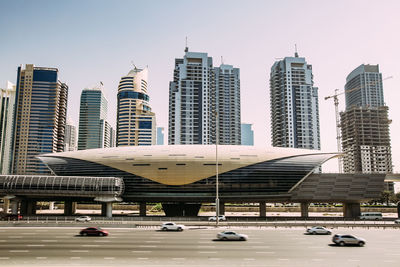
366,140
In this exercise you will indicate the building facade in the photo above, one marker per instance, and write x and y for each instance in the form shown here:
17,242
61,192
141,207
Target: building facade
365,124
7,103
136,123
70,137
94,130
247,134
160,136
40,118
294,104
198,93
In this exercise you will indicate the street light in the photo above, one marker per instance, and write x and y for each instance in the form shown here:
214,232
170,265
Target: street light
216,170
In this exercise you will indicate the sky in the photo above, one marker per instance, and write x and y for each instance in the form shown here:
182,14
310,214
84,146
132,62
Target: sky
92,41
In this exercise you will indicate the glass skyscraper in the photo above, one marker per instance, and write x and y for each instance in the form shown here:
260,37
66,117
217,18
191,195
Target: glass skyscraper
93,126
136,123
40,118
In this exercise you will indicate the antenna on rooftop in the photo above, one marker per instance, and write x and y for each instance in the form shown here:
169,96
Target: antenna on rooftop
295,51
133,64
186,45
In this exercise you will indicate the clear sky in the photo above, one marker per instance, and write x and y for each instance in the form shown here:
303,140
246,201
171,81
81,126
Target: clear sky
91,41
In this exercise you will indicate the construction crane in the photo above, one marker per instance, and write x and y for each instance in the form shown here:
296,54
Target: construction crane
336,103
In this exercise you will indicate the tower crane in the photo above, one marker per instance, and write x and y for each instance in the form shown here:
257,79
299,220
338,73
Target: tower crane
336,103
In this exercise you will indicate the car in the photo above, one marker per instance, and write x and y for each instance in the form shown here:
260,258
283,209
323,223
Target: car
397,221
11,217
171,226
342,240
97,231
318,230
214,218
83,219
230,235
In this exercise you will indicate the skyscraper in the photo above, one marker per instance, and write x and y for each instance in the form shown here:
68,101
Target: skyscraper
365,123
94,130
70,136
294,104
198,91
7,103
227,93
160,136
136,123
247,135
40,118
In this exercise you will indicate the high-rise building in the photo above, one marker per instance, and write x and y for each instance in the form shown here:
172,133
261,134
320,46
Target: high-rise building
94,130
136,123
70,136
227,97
7,102
365,123
197,94
40,118
247,135
294,104
160,136
364,87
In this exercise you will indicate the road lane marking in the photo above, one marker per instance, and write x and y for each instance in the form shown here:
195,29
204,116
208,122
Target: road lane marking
214,259
35,245
75,258
102,241
141,251
204,242
61,236
49,240
2,240
266,252
147,246
41,258
90,245
317,259
261,246
79,251
178,259
283,259
142,258
153,241
109,258
256,242
353,260
12,237
207,252
249,259
28,233
17,251
206,246
4,258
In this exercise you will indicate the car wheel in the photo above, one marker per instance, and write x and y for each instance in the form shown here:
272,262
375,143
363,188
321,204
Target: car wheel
314,233
164,228
361,244
180,229
101,234
341,243
225,238
242,239
84,234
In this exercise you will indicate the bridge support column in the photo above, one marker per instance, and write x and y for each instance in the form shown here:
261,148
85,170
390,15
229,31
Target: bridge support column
51,205
142,209
304,209
398,209
24,208
69,208
351,210
14,206
31,207
221,208
6,205
263,209
104,209
109,209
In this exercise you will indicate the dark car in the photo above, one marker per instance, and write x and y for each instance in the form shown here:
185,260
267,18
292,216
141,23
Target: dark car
11,217
97,231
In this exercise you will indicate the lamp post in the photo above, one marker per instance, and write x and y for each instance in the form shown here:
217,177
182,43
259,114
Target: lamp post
216,170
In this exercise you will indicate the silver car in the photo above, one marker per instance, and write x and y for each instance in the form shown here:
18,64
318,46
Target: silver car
230,235
83,219
342,240
318,230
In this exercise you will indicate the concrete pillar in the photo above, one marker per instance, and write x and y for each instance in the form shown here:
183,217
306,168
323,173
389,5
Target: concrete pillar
263,209
69,208
23,210
304,209
221,208
14,207
104,209
31,207
109,209
398,209
6,205
351,210
51,205
142,209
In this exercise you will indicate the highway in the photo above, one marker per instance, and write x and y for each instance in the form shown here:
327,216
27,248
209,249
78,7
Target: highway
61,246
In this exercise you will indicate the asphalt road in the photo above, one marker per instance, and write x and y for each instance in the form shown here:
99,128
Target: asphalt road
193,247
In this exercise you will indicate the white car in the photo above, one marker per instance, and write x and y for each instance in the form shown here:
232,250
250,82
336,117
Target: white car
320,230
397,221
342,240
83,219
171,226
230,235
214,218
